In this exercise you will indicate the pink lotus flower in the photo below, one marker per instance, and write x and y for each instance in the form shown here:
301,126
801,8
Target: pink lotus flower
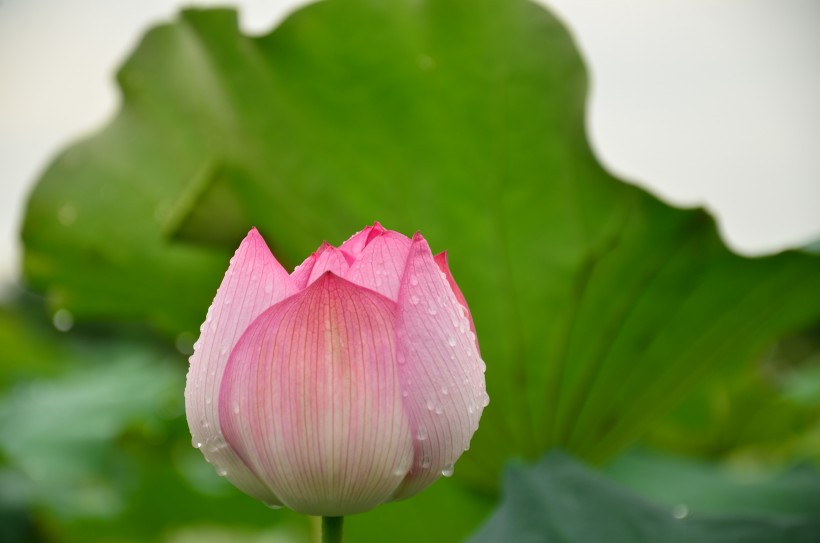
352,381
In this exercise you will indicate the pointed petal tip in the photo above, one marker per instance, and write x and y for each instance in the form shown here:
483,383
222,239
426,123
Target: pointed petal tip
322,248
373,232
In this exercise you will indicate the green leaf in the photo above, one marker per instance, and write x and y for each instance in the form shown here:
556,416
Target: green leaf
559,500
764,416
598,308
709,487
59,433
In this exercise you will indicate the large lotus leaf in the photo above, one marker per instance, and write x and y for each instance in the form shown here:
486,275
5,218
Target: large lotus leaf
597,306
559,500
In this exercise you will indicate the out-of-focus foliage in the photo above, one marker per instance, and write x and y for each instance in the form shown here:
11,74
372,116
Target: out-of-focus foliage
755,414
558,500
604,315
735,488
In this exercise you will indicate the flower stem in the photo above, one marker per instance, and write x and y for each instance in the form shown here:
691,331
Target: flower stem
332,529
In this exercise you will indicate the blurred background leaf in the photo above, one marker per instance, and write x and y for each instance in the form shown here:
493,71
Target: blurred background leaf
559,500
605,316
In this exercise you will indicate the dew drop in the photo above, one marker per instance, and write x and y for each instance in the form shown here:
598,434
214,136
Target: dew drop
63,320
432,309
196,444
414,299
444,390
451,341
426,62
680,511
470,409
414,280
222,472
448,470
404,393
378,281
236,408
430,405
421,435
439,409
271,505
227,301
403,467
485,400
425,462
67,215
400,358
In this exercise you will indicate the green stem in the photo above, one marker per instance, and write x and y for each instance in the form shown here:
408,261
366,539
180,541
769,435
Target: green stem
332,529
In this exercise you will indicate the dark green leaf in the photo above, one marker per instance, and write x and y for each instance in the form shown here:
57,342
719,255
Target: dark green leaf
558,500
710,487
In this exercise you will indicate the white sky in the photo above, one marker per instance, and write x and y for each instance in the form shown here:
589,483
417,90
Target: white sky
702,102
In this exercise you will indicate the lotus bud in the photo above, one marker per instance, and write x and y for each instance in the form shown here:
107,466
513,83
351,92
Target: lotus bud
352,381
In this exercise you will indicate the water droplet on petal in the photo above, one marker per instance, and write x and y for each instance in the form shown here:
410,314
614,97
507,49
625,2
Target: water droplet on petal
402,469
451,341
222,472
404,393
400,358
425,462
485,400
272,505
439,409
236,409
431,309
444,390
421,435
448,470
414,299
430,405
414,280
196,444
